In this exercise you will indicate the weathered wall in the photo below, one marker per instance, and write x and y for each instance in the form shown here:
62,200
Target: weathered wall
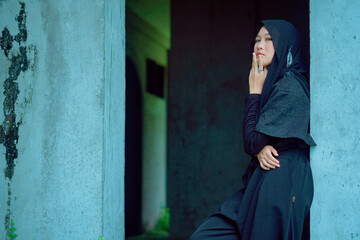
113,160
209,67
335,112
67,180
145,42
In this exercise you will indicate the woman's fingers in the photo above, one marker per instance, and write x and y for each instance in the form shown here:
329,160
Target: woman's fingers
272,160
267,164
273,150
261,66
254,64
263,167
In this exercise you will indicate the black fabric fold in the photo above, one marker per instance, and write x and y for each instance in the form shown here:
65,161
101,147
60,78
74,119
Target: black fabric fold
287,113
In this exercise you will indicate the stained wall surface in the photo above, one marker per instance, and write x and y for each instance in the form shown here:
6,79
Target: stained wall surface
335,108
59,114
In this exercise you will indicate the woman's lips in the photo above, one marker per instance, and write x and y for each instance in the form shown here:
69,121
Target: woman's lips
260,54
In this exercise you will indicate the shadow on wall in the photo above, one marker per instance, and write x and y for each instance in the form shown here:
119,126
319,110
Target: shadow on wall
133,151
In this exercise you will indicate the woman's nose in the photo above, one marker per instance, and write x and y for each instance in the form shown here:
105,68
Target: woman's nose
261,45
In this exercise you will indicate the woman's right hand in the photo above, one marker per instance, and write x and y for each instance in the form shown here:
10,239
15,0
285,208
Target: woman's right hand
256,78
266,158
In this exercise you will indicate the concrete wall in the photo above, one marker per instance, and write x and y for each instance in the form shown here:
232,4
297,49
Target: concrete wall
146,42
67,181
335,112
209,68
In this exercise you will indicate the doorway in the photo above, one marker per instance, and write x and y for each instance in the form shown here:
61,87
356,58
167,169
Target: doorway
147,45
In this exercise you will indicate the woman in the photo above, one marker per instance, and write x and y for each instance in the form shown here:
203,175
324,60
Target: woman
278,182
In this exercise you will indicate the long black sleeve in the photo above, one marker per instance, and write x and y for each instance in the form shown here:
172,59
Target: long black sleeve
254,141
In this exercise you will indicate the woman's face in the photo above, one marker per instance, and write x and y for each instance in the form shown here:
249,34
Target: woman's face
264,47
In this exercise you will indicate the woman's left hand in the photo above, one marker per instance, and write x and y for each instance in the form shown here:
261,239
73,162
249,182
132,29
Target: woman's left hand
257,75
266,158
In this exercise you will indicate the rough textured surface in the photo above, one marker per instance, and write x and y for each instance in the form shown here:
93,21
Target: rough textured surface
114,121
9,130
63,181
209,68
335,108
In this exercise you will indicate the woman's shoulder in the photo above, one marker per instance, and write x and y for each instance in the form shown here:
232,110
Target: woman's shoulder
290,83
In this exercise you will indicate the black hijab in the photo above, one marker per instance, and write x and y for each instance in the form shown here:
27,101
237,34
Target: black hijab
288,57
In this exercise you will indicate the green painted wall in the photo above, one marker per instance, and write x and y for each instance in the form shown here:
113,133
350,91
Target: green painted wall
146,42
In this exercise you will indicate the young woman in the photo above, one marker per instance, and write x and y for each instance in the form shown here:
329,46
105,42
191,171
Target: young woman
278,190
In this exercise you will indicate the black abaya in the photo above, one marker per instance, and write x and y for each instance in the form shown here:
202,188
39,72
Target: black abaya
274,204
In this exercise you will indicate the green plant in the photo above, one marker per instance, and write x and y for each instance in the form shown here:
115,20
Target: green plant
11,232
164,221
101,238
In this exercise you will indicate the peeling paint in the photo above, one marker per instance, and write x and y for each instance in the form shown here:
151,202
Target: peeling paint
6,41
21,19
9,129
19,63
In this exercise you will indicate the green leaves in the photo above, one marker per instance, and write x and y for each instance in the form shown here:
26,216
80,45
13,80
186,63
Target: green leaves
11,232
12,235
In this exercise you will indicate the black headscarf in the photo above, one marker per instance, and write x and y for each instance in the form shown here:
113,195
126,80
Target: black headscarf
288,57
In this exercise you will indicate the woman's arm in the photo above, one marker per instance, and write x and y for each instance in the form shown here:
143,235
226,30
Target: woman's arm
254,141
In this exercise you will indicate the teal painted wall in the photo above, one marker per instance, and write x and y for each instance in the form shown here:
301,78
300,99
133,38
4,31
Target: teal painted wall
335,112
113,159
68,175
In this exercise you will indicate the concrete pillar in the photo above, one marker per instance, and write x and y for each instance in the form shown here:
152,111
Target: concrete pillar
65,122
335,112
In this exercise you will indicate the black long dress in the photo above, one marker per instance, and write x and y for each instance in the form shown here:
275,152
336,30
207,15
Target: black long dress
275,203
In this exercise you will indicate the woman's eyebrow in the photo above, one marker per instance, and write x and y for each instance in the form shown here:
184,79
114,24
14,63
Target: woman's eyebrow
264,35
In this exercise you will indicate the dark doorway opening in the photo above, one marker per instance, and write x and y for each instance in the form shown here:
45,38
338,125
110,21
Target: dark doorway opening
147,45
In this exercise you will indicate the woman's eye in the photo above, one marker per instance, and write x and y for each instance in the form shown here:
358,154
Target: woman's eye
269,39
257,40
